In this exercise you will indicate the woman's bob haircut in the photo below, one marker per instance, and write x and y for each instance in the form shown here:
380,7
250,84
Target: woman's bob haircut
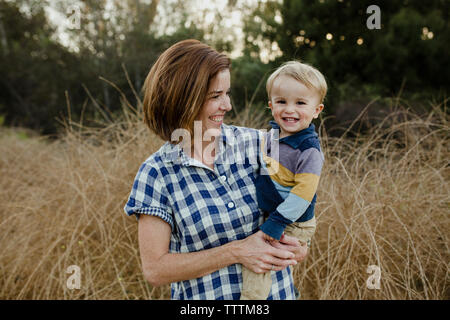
177,84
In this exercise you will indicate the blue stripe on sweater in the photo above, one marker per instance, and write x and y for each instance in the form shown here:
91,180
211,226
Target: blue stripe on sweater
293,207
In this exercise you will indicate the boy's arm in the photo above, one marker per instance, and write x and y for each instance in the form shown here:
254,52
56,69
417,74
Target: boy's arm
294,206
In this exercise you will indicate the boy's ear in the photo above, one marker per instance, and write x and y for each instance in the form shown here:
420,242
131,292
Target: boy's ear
270,105
319,109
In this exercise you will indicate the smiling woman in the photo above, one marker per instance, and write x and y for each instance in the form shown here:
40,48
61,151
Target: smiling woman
198,220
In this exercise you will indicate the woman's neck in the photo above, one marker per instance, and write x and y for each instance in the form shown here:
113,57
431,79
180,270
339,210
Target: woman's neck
205,152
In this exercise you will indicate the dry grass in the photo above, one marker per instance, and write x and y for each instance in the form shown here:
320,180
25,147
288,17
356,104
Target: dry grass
383,200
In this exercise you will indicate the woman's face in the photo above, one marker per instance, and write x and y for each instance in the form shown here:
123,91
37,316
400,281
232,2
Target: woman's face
217,102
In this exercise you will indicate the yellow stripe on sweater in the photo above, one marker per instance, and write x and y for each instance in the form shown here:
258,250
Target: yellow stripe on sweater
279,173
305,185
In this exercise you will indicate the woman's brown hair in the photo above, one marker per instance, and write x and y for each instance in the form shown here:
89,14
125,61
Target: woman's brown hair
177,84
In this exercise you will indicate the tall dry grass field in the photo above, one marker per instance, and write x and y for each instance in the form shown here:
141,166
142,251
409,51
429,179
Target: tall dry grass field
383,200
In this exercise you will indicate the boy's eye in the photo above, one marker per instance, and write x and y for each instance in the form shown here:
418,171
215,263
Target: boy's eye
280,101
300,102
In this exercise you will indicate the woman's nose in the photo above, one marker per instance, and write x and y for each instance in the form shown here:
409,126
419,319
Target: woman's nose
226,105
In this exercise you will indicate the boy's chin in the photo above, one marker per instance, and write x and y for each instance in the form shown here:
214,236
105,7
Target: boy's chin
285,133
290,131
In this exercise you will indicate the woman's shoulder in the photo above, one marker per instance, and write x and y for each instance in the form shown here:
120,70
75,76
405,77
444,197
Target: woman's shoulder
158,161
239,129
245,142
241,132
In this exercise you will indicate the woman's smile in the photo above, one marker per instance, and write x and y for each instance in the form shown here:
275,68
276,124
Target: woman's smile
217,118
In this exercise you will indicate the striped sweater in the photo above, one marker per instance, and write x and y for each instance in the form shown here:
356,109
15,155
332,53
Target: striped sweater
290,171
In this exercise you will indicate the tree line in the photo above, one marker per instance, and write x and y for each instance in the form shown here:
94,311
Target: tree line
114,47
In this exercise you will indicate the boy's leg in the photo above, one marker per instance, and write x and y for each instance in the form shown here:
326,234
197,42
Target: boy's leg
255,286
303,231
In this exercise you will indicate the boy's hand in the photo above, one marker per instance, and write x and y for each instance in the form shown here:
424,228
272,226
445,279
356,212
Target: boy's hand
269,238
292,244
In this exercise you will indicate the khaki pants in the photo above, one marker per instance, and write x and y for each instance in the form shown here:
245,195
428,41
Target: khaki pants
256,286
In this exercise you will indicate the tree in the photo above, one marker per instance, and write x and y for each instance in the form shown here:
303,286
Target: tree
332,35
31,64
37,71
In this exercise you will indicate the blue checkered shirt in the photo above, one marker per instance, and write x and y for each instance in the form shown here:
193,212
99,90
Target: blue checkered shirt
207,208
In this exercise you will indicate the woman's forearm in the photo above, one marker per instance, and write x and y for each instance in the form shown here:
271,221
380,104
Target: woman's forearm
162,267
174,267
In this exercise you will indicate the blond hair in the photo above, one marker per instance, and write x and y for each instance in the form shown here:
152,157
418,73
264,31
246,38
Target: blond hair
177,84
306,74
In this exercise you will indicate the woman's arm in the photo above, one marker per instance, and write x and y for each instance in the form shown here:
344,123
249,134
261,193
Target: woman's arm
161,267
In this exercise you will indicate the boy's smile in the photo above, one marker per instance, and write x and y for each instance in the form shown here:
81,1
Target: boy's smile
293,105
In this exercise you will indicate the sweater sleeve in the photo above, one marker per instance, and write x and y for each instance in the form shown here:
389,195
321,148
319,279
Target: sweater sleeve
306,179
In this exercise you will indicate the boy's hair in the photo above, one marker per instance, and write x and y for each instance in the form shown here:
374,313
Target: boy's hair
176,87
306,74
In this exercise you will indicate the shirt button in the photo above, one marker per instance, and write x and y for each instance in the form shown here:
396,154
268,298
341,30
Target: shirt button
223,178
230,205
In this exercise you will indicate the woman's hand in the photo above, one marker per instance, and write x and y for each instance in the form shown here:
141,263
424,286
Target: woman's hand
291,244
261,256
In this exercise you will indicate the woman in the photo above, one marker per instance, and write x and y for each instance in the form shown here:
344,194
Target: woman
195,200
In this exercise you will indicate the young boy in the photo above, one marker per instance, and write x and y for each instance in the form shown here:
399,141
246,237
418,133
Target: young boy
291,163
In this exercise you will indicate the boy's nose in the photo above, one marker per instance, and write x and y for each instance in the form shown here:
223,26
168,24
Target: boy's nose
289,108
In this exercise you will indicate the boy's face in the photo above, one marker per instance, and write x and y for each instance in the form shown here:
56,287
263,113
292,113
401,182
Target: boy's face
293,105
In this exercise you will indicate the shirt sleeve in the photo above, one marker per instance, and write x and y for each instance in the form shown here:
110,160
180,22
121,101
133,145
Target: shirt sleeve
148,195
300,196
